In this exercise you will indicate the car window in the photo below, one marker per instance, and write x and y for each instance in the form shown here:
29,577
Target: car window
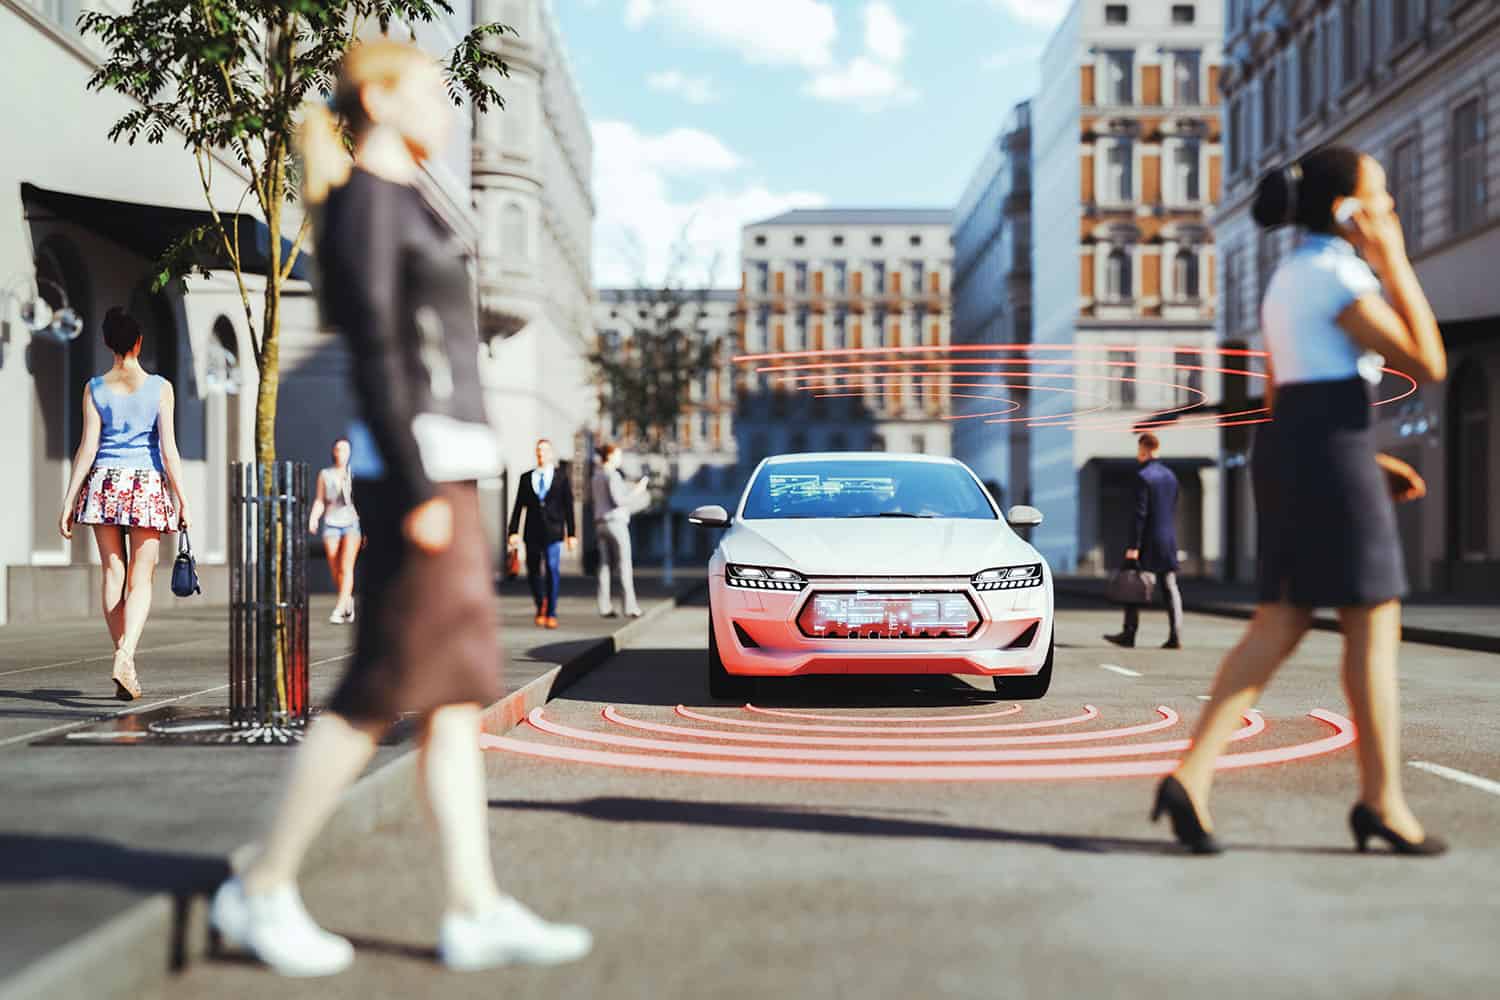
874,488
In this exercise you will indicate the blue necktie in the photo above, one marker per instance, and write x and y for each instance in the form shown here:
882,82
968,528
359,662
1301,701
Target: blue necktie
541,492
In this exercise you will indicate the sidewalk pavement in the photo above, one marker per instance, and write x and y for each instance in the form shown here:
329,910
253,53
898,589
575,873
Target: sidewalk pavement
105,849
1434,619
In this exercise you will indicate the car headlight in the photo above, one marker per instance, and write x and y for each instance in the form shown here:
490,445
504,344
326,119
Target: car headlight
763,578
1008,577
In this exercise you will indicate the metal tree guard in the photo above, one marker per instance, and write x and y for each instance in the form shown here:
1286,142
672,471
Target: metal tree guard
268,607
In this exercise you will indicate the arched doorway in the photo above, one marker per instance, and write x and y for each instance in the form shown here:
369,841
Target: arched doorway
1468,465
58,373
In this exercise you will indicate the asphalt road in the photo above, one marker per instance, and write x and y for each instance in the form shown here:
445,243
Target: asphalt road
726,885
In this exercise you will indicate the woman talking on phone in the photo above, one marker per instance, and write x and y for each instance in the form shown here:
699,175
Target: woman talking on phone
1344,302
393,282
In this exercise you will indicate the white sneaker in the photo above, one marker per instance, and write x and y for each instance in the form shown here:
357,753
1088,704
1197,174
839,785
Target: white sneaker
277,929
508,932
336,617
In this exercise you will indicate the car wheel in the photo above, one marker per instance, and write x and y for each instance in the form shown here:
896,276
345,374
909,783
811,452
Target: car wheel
1028,688
721,683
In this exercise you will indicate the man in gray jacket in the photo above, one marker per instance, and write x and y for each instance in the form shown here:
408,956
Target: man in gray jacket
614,501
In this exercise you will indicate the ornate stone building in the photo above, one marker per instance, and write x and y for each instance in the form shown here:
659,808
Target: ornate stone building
1415,83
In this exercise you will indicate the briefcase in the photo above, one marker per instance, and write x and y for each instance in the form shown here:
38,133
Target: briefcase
1132,585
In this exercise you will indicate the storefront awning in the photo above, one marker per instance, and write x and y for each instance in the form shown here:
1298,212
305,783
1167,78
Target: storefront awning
149,230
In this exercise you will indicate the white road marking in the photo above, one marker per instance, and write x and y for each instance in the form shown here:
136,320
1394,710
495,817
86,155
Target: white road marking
1122,671
1204,697
1462,777
79,724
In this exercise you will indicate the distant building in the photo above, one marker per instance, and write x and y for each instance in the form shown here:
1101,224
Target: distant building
1126,169
840,280
1413,83
992,305
708,470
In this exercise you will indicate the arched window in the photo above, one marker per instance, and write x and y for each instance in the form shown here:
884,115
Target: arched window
1185,274
1469,451
1117,276
515,241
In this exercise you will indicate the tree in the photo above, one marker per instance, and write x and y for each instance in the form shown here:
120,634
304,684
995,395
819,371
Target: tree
230,76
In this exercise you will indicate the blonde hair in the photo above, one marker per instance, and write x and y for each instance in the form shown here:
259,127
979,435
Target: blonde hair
326,162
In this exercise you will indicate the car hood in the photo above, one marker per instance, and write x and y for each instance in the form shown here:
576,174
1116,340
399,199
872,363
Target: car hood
877,546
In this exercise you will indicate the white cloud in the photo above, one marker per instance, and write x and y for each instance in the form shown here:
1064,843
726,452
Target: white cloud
1043,13
872,81
1027,57
655,192
693,89
772,32
885,34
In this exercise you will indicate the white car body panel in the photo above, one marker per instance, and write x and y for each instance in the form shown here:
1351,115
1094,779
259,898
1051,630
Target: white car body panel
875,556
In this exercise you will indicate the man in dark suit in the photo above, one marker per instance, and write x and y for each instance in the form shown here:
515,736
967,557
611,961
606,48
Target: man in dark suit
546,498
1153,545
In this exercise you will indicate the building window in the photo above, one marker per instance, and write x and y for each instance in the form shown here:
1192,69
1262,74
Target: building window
919,443
1403,20
840,276
1270,110
1119,77
1185,275
1308,68
838,240
838,441
1116,13
1186,171
1470,463
917,270
877,442
1188,376
877,276
1122,390
1186,77
1184,13
1468,166
799,240
1266,256
760,241
1118,181
916,240
876,240
799,279
762,276
1349,35
838,338
1406,186
1236,135
1233,306
1117,276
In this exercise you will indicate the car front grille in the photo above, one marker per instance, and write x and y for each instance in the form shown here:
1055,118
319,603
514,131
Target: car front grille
854,614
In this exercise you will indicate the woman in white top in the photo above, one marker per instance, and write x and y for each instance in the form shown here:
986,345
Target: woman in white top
1342,304
334,506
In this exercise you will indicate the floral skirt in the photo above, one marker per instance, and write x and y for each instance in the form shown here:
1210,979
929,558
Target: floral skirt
131,498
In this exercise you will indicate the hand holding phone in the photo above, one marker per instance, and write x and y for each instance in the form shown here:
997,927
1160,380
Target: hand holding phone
1347,210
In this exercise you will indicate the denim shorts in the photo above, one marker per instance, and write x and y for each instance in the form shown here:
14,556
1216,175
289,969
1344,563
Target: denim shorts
334,532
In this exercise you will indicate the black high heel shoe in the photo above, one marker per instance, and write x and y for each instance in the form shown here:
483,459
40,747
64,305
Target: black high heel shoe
1172,799
1364,823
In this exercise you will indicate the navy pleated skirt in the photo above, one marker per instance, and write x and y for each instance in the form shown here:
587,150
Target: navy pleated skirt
1326,523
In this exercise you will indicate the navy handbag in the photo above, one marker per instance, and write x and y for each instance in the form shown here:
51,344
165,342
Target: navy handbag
185,569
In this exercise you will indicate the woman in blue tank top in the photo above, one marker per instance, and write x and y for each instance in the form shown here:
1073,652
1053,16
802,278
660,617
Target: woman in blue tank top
127,484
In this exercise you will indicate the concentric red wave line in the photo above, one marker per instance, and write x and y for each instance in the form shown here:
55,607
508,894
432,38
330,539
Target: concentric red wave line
1343,736
1089,714
1254,725
1168,719
1014,709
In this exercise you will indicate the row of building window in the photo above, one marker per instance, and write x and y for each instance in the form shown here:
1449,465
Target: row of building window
1118,85
1119,13
1119,276
1184,177
838,334
876,240
835,277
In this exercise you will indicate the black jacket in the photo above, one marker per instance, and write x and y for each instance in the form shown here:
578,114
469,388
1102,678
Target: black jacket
1154,529
547,520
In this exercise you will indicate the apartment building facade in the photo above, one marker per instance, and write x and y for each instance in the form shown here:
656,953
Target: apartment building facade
1415,84
992,306
1126,169
844,280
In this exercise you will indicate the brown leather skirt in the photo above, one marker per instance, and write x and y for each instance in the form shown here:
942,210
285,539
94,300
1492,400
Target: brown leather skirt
428,629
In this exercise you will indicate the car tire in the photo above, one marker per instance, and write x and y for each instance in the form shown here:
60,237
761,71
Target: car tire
721,683
1028,688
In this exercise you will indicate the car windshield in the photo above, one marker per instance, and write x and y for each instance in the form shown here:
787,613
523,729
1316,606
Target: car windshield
866,488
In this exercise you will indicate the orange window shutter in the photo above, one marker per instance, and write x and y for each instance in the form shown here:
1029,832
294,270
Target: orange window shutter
859,282
780,282
896,283
817,282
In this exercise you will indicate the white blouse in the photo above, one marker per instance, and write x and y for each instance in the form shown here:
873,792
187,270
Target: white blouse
1316,282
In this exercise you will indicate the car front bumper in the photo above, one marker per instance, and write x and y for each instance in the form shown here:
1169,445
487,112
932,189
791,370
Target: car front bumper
758,634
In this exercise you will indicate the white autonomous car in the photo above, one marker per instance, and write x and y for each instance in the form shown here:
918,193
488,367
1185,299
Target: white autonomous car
875,563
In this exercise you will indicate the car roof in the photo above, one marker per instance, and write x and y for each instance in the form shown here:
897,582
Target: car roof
861,456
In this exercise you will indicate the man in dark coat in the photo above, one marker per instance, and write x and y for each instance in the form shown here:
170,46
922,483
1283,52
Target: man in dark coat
545,496
1153,545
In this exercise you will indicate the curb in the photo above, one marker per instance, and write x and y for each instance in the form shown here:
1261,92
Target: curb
1409,633
134,952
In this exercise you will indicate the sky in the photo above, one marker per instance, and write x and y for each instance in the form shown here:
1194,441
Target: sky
710,114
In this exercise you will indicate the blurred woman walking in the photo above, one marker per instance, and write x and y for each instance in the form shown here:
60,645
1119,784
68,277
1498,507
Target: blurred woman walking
127,484
1324,497
334,506
395,284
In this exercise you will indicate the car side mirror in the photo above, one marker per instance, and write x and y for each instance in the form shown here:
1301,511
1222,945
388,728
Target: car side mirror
1021,516
712,516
